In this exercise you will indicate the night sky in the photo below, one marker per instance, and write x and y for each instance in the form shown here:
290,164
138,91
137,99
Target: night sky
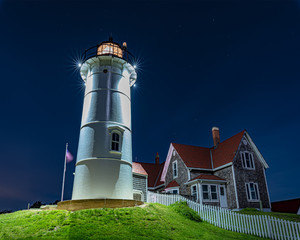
231,64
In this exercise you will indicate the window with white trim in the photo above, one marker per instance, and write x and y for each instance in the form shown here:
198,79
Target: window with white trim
209,192
213,192
247,160
252,191
116,138
115,142
205,192
175,191
175,169
194,192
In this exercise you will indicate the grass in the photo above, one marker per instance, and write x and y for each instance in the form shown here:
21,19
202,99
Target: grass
154,221
285,216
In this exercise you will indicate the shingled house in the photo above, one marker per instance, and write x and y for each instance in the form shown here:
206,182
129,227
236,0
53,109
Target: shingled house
146,176
231,174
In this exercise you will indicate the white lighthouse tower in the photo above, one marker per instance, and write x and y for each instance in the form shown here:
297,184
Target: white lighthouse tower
104,158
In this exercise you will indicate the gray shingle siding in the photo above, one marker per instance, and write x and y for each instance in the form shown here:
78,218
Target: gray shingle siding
140,184
226,173
244,176
182,174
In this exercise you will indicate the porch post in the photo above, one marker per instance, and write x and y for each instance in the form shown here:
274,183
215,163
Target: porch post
199,192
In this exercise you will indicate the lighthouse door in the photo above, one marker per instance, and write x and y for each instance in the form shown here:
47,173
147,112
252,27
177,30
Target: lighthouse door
223,198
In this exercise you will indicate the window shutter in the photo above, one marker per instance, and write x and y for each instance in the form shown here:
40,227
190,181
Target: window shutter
251,160
256,190
248,191
243,159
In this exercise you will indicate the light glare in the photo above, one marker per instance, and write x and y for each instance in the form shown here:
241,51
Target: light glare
134,66
79,64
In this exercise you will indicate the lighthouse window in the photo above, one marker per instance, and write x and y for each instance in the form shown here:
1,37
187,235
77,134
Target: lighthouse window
115,143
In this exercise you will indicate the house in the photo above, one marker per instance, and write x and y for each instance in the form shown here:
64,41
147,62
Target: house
231,174
146,176
287,206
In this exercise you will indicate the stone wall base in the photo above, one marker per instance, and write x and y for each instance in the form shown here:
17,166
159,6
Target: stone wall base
74,205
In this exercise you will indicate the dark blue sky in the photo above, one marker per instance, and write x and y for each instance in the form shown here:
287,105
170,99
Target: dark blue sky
231,64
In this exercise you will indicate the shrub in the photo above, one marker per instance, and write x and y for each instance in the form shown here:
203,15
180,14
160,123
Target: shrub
5,211
36,204
249,210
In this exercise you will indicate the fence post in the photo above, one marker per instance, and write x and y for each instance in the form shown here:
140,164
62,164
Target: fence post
261,224
276,227
290,229
293,228
281,229
269,226
287,229
297,228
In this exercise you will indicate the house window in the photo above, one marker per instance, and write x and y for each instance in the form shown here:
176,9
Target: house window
209,192
175,169
194,192
252,191
247,160
205,192
213,191
175,191
115,142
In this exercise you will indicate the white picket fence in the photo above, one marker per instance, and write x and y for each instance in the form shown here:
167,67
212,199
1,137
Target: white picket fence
259,225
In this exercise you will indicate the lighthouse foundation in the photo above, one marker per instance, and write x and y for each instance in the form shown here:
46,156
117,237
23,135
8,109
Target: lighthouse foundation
74,205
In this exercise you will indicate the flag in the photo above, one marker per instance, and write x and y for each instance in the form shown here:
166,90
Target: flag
69,156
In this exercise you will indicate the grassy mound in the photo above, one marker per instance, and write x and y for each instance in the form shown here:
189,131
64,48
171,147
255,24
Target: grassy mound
154,221
183,209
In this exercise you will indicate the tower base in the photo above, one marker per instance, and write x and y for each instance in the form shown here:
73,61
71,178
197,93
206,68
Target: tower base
74,205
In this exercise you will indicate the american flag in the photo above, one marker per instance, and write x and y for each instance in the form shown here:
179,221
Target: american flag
69,156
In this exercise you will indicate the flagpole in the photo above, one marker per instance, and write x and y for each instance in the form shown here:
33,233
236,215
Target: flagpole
64,174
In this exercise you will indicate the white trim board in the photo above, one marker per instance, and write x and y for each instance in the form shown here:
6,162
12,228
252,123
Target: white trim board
260,157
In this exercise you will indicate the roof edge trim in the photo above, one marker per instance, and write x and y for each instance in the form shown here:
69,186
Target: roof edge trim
167,162
260,157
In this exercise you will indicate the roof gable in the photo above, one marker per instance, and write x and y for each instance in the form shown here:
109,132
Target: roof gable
193,156
172,184
210,158
257,152
154,172
138,168
226,150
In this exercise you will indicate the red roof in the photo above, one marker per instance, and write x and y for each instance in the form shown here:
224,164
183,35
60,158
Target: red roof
154,173
207,177
138,168
287,206
225,151
201,157
172,184
193,156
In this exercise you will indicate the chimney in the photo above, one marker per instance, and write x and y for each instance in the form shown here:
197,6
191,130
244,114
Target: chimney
216,136
157,159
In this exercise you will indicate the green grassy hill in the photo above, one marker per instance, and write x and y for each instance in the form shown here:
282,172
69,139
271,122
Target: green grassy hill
154,221
286,216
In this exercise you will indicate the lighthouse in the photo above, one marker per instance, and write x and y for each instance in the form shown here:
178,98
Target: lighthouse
104,158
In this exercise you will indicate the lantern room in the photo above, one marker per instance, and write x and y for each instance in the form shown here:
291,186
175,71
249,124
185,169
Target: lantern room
110,48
